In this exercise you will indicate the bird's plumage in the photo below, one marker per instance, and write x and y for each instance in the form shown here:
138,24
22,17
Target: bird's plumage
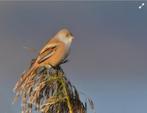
53,53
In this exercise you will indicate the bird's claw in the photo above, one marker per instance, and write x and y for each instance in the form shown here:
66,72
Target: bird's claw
64,61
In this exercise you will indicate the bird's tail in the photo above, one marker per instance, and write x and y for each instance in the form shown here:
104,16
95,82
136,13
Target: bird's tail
26,76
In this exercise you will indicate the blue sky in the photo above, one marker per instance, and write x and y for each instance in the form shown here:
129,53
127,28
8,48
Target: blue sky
108,59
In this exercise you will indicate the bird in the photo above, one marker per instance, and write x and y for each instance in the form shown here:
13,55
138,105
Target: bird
53,53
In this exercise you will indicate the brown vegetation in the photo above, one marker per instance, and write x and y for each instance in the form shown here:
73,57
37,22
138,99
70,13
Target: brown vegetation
49,91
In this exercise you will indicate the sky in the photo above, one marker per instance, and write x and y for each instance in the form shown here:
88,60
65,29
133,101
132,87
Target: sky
108,59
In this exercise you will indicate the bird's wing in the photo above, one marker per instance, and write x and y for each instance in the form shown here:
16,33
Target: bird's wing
48,46
47,52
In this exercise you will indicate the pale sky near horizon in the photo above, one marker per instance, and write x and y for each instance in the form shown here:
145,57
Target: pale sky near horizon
108,59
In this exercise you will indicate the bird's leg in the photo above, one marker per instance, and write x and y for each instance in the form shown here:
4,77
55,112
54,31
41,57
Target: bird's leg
64,61
59,69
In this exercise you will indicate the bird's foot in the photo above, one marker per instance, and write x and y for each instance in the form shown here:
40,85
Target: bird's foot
64,61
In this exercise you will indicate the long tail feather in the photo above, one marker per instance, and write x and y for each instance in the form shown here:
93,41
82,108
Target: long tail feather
24,78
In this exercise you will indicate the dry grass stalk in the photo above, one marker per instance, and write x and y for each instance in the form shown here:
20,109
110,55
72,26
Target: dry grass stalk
49,91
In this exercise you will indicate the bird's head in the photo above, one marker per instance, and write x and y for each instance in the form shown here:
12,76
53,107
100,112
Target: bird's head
65,36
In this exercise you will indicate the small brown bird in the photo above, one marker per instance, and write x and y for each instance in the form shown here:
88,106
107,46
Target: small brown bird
53,54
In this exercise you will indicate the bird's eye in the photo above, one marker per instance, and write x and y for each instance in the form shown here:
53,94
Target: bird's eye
67,35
